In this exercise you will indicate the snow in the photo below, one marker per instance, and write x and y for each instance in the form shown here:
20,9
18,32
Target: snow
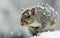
54,34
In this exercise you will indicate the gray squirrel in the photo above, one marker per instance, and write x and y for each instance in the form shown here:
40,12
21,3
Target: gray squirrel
39,18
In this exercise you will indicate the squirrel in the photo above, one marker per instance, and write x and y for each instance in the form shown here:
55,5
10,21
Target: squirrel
39,18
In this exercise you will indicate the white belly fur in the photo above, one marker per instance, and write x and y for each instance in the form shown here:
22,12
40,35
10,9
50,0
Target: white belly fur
35,24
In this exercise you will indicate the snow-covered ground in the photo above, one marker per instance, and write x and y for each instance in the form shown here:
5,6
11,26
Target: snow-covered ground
55,34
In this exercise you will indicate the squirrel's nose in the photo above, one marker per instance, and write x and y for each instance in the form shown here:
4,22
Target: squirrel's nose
23,23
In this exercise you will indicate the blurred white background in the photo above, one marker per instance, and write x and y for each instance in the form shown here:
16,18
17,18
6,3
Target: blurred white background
10,11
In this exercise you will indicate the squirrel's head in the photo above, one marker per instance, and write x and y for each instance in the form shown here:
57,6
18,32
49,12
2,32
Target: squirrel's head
27,16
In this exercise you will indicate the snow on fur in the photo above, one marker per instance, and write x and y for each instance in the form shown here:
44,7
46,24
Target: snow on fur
55,34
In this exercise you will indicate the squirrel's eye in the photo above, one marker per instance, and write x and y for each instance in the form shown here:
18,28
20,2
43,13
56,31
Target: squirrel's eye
28,17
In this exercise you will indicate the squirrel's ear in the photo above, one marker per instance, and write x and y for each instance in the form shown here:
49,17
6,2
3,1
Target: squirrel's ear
33,11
